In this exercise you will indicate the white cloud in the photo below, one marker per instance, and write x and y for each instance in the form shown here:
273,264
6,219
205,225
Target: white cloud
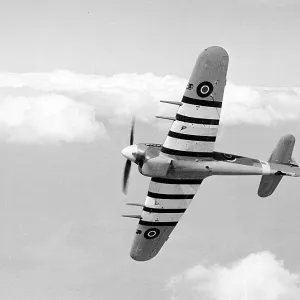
259,276
261,106
47,118
30,102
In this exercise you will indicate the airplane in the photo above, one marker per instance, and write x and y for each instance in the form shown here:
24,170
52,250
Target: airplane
179,165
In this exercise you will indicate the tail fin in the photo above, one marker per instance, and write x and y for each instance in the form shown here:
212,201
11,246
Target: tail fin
282,154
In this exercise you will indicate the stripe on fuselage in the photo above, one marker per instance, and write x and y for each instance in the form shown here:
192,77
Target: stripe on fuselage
266,169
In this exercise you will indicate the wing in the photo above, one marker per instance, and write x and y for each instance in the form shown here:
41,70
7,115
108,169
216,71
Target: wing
193,133
166,202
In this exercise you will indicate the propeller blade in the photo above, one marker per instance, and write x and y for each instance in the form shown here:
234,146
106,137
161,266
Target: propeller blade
126,175
132,131
128,162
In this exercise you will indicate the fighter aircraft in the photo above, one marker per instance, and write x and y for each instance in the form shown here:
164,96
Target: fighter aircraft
187,157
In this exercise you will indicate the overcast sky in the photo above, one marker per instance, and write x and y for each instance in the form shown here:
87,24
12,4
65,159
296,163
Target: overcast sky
72,74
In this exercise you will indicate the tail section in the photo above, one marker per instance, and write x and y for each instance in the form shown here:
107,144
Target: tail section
282,154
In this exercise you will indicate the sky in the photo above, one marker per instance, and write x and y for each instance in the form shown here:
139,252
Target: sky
72,75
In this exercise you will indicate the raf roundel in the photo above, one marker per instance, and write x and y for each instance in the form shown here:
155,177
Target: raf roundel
204,89
151,233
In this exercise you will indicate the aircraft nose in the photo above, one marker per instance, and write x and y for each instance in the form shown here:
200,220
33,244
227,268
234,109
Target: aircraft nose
129,151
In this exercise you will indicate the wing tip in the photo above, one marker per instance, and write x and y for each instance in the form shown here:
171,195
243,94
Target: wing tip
142,256
217,50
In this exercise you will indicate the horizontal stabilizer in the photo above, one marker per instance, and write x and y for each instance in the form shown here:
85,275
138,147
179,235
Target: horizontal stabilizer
282,154
268,185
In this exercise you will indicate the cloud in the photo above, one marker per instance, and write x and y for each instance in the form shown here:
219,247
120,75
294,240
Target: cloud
61,105
47,118
260,106
259,276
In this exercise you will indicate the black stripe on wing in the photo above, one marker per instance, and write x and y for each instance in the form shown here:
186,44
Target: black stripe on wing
208,103
186,119
170,196
176,181
190,137
148,223
164,210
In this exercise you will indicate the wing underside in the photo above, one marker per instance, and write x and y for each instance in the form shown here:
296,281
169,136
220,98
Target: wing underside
194,132
166,202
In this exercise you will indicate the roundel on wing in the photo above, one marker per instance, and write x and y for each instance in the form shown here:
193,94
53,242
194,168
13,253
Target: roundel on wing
151,233
204,89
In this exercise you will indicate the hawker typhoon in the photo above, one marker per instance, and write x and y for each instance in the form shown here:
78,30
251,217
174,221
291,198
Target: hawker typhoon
187,157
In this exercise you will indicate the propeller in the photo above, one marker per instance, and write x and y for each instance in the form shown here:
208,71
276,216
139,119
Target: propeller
128,162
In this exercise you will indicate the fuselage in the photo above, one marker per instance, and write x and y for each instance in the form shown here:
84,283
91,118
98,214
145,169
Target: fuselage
153,163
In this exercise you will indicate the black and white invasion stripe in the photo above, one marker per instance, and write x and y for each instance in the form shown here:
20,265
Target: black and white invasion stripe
193,133
167,200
